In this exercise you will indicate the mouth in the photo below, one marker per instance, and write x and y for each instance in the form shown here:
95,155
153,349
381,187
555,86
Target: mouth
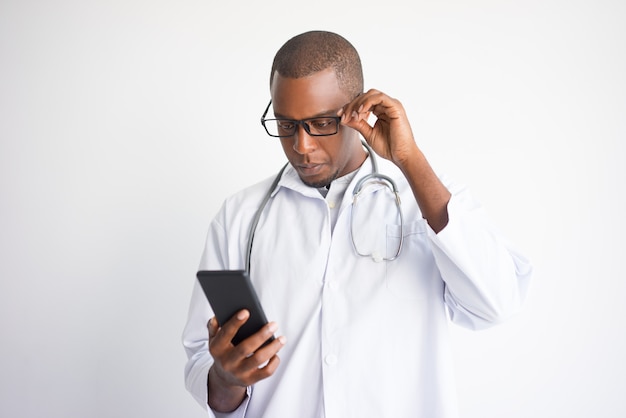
310,169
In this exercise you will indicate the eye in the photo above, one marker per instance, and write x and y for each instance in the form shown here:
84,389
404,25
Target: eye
285,124
323,123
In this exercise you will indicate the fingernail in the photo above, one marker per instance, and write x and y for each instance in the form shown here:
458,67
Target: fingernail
242,314
354,115
272,326
340,112
282,339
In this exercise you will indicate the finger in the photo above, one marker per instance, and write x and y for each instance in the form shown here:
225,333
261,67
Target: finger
358,122
230,328
265,360
251,376
267,370
263,354
248,368
212,326
251,344
378,103
362,104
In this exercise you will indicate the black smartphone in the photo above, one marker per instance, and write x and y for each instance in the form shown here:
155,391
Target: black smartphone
228,292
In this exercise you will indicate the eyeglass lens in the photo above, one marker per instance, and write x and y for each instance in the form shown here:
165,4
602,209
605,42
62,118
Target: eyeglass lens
316,126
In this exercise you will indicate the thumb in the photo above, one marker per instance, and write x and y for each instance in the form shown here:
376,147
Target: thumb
358,122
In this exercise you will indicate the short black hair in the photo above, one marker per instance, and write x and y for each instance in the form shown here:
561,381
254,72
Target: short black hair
314,51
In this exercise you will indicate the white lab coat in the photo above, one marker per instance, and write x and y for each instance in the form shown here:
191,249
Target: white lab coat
364,338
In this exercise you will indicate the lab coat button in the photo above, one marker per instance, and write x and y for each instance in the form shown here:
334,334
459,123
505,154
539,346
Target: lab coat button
331,359
331,205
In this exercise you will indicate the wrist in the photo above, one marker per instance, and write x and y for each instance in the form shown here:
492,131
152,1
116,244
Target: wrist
221,396
410,158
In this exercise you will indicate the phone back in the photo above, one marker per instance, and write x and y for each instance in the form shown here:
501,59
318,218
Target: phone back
228,292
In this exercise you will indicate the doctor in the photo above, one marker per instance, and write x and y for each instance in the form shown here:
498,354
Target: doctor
358,336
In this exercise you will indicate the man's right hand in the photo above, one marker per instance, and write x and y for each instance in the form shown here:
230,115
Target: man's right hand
236,367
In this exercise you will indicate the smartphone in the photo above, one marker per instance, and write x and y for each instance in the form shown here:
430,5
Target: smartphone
228,292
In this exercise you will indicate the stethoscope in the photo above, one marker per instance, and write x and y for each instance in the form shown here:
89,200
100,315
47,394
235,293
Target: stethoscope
373,178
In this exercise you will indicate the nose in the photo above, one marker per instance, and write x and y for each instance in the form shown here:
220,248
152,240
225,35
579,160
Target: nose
303,143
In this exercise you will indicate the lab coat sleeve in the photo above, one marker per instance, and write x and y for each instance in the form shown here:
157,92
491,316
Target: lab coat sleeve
486,279
195,341
195,334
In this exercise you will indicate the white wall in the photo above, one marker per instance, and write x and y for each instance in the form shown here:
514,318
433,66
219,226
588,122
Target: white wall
123,125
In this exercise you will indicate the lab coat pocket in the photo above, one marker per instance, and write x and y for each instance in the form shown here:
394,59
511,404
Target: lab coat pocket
407,275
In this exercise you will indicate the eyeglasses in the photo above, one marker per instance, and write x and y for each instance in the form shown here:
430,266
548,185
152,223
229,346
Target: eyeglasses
284,128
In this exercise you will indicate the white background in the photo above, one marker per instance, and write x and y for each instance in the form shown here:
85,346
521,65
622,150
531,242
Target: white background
125,123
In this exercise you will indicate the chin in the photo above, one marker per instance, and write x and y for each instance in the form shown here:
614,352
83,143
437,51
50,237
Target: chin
317,183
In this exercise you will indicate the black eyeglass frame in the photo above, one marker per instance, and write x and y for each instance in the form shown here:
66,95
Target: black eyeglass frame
302,122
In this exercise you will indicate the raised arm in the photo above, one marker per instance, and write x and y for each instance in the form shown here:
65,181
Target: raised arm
391,137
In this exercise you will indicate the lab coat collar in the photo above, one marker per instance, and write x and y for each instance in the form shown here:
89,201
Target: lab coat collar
291,180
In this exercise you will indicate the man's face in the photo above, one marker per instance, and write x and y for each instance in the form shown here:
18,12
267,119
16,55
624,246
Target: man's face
317,159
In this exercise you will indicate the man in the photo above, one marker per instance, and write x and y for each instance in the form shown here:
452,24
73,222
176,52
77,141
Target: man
360,296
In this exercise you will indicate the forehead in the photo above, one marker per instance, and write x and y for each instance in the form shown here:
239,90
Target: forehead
299,98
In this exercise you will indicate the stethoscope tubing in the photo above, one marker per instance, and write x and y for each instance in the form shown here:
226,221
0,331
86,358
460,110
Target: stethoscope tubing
379,178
